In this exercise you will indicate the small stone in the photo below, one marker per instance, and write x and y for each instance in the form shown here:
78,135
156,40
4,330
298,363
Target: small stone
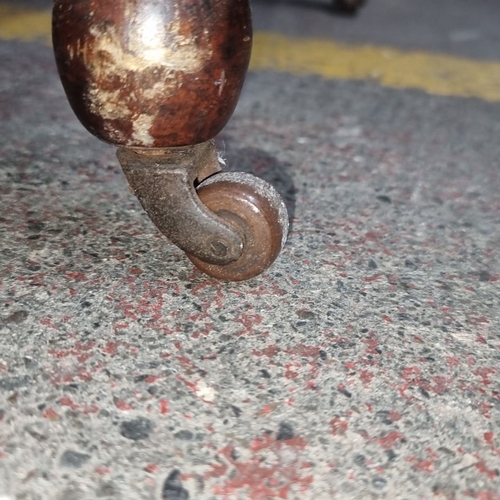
106,490
173,489
37,430
29,362
137,429
306,314
379,483
384,416
12,383
184,435
74,459
424,392
35,226
484,276
360,460
237,411
16,317
285,432
345,392
410,264
372,264
446,490
384,199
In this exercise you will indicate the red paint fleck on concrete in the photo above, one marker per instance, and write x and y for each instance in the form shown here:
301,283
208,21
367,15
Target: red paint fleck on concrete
110,348
79,276
267,441
339,426
151,468
164,407
102,471
50,414
185,362
187,383
371,279
292,370
486,409
48,323
366,377
391,440
257,481
66,401
485,373
216,470
489,437
269,351
484,469
486,495
425,465
305,351
249,322
123,405
394,416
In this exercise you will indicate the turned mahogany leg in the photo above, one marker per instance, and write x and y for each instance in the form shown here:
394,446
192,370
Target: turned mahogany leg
160,79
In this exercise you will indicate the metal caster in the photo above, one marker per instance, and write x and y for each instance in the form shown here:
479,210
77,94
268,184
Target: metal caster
160,80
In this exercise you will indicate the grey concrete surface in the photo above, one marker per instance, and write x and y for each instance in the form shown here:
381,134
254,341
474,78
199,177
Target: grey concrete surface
363,365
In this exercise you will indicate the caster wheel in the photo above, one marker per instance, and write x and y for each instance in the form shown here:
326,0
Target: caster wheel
257,211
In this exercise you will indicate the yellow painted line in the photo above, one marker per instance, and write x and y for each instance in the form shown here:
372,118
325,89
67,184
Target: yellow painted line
433,73
24,24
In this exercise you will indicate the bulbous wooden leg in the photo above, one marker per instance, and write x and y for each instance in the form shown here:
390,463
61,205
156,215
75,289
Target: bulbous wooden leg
160,79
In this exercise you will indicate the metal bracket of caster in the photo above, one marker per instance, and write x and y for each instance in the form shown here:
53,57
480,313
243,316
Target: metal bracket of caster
163,181
232,227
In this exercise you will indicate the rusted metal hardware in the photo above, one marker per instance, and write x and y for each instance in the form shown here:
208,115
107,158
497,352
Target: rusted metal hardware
163,181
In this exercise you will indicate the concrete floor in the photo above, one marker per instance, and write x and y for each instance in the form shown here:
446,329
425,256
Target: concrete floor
363,365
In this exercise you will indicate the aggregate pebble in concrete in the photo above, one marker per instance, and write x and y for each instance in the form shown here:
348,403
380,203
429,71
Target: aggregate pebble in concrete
365,364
